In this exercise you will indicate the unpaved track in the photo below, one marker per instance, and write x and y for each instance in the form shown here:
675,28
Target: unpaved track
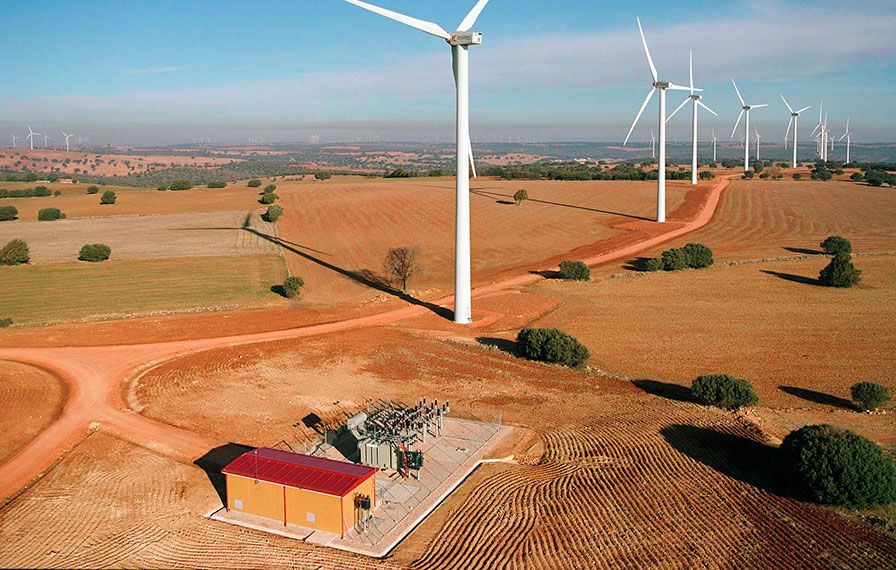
94,374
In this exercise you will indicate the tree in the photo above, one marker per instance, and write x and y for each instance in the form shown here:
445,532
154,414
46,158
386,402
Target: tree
270,188
94,252
833,245
706,175
797,176
553,346
401,264
108,197
292,286
8,213
254,183
5,323
748,175
857,177
14,253
574,271
178,185
322,176
217,184
840,272
674,259
50,214
698,255
268,198
869,395
520,196
723,391
272,214
162,187
654,264
834,466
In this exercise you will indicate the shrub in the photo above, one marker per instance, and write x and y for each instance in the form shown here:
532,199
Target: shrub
254,183
42,191
574,271
654,264
723,391
292,286
268,198
178,185
831,465
323,176
5,323
869,396
857,177
551,345
94,252
840,272
674,259
520,196
748,175
270,188
797,176
706,175
162,187
108,197
836,244
14,253
272,214
50,214
217,184
57,193
8,213
698,255
93,190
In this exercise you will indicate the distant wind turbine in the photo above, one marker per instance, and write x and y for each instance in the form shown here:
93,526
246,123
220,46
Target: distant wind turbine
14,139
46,138
794,122
652,144
696,101
66,139
758,138
660,86
848,136
745,111
460,41
821,128
30,137
715,140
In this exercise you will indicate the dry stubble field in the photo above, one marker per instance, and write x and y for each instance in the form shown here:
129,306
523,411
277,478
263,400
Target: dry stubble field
30,399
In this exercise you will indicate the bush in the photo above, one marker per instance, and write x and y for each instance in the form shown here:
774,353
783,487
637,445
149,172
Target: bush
5,323
674,259
833,245
322,176
292,286
254,183
551,345
178,185
162,187
50,214
272,214
268,198
723,391
270,188
108,197
93,190
698,255
574,271
834,466
797,176
94,252
748,175
520,196
14,253
857,177
654,264
8,213
217,184
869,396
706,175
840,272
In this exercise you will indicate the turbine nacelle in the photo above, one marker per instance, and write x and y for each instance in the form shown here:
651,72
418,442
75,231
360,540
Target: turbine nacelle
465,39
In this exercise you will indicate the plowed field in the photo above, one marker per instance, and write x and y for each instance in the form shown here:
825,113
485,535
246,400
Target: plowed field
29,400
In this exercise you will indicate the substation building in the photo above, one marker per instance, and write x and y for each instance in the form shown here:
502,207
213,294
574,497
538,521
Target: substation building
292,488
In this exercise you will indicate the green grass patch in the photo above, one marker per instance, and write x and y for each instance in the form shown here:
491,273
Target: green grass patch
37,294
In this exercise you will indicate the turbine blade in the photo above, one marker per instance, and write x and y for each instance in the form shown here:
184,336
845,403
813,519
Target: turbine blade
818,126
653,72
787,134
470,20
691,67
789,108
702,104
742,102
737,124
421,25
675,87
470,154
804,109
679,108
640,112
758,106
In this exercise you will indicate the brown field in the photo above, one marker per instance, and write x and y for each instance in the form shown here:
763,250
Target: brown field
30,399
110,165
75,203
337,233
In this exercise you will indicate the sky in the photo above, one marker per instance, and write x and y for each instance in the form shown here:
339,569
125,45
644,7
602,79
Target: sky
165,72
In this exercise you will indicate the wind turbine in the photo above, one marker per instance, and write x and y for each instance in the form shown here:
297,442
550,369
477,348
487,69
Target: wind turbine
758,138
460,42
66,139
794,122
660,86
821,128
30,136
848,136
695,101
715,140
46,138
652,144
14,139
745,110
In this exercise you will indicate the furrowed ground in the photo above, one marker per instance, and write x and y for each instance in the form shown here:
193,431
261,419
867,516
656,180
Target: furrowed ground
30,399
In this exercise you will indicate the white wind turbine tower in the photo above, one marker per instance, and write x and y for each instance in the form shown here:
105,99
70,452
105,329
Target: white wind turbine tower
14,139
745,111
794,122
30,136
652,144
66,139
46,138
460,41
848,136
715,141
821,128
695,100
758,138
660,86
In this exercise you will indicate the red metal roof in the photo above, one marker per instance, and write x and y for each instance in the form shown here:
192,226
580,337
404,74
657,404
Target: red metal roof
300,471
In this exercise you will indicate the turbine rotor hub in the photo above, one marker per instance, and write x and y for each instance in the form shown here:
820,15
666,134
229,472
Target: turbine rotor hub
465,39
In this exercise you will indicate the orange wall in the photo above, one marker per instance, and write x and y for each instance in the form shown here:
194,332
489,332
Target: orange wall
325,508
259,497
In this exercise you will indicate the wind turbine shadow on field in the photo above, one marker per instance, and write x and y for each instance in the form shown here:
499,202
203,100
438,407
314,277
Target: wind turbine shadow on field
794,278
804,251
818,397
484,194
